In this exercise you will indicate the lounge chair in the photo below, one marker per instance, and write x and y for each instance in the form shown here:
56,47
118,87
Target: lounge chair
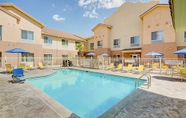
9,68
155,66
23,66
176,70
128,69
110,67
40,65
30,66
183,73
17,74
164,68
140,69
120,67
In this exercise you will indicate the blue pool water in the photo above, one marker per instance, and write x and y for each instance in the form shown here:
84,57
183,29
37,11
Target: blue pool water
87,94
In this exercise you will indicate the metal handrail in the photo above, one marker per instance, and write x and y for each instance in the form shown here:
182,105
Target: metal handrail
148,80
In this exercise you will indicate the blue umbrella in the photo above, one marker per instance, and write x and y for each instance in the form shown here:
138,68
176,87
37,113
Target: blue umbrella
153,54
183,51
16,50
90,54
104,54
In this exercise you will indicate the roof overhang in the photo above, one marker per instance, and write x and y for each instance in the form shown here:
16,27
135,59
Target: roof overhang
131,50
178,13
100,24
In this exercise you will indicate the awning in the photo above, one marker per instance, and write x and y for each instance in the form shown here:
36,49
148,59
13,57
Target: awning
132,50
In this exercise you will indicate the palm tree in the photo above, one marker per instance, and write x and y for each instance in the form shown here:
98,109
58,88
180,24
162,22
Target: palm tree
80,48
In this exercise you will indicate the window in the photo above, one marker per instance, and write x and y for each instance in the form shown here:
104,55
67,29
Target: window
134,41
27,35
100,44
157,37
91,46
185,36
64,43
29,57
47,40
0,33
116,43
47,57
65,57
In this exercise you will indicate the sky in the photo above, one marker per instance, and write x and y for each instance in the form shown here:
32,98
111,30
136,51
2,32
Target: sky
73,16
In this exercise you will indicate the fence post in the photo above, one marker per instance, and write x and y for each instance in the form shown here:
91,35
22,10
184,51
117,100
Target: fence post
109,60
103,64
160,64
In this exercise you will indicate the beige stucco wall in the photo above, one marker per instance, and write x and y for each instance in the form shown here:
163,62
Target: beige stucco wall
25,24
102,32
9,27
126,23
88,44
180,39
158,19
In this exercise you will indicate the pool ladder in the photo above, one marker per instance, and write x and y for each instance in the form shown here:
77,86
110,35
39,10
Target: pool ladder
148,80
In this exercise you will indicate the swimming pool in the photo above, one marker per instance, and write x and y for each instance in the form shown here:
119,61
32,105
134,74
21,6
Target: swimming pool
86,94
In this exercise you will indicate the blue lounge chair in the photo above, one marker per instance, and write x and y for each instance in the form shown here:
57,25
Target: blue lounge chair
17,74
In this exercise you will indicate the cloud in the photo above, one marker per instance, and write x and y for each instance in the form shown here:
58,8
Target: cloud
64,9
56,17
108,4
92,14
53,5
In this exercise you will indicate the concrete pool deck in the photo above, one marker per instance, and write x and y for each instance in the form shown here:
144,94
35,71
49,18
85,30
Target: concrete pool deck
165,98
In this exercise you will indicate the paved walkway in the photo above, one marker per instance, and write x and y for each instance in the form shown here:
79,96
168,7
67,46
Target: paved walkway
165,98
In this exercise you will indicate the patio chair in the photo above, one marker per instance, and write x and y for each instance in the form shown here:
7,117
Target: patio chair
140,69
40,65
17,74
128,69
120,67
111,66
176,70
9,68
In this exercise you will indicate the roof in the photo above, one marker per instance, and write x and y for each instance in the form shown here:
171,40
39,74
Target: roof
91,37
171,11
131,49
17,8
9,13
152,8
102,25
61,34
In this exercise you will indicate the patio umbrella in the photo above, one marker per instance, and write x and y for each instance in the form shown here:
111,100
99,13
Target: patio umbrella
183,51
104,55
153,54
90,54
17,50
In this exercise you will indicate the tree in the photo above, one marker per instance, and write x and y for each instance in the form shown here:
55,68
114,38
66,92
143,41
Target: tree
80,48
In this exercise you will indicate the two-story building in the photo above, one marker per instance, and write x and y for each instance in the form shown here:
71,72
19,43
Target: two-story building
137,28
18,29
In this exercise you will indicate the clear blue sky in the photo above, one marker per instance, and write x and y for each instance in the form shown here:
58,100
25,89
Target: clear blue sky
74,16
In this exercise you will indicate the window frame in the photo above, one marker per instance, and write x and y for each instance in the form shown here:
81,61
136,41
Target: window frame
1,32
117,43
66,43
101,44
29,57
49,40
47,58
133,41
184,36
156,39
27,35
92,46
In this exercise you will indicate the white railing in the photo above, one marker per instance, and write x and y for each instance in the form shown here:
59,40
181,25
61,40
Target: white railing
89,62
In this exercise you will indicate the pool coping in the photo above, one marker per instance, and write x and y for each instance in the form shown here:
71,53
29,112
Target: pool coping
66,113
